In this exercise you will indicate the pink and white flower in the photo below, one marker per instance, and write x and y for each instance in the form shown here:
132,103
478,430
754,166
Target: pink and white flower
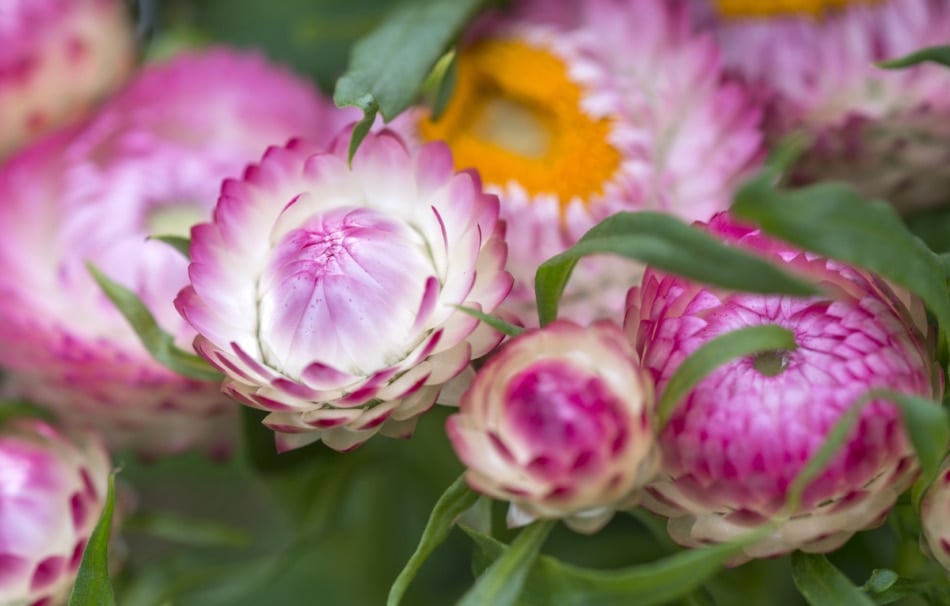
560,422
328,293
884,131
60,57
935,517
626,108
52,491
150,163
740,437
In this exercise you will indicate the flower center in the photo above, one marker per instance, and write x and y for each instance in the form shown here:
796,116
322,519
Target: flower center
771,363
516,116
770,8
174,219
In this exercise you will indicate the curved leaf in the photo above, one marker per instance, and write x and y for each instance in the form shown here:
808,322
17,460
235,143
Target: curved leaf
158,342
505,328
93,586
821,584
670,245
179,243
457,498
933,54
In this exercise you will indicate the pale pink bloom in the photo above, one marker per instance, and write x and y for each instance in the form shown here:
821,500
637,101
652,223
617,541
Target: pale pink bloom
935,518
625,109
327,293
560,422
52,490
59,58
887,132
739,438
150,163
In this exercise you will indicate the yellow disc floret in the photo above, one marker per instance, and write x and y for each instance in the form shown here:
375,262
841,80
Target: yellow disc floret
516,116
768,8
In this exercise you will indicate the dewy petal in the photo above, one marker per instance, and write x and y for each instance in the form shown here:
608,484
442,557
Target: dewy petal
357,272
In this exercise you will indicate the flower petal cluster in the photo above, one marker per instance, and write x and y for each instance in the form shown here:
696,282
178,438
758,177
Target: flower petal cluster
561,423
626,109
52,491
884,131
149,163
734,445
328,292
59,58
935,518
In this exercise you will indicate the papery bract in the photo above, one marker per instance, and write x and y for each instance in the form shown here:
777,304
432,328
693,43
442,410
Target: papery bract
149,163
935,518
327,293
740,437
59,58
625,109
560,422
884,131
52,490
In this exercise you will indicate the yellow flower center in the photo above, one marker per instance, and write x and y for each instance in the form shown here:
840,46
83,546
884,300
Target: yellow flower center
516,116
768,8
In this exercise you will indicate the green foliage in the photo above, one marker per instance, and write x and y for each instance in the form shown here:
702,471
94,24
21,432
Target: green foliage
934,54
667,244
182,245
93,587
824,585
495,322
502,582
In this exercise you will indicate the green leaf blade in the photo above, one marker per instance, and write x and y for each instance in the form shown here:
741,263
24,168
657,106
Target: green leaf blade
667,244
933,54
502,583
93,587
821,584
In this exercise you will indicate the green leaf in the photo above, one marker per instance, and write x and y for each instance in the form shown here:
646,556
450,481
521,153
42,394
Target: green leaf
93,586
555,583
713,354
668,244
389,66
933,54
14,409
821,584
170,527
495,322
179,243
456,499
881,580
833,220
445,76
502,583
158,342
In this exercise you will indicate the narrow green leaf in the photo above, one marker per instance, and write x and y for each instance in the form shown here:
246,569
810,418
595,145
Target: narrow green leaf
179,243
833,220
502,583
158,342
555,583
668,244
881,580
926,424
713,354
457,498
933,54
389,66
446,73
362,128
821,584
171,527
495,322
13,409
93,586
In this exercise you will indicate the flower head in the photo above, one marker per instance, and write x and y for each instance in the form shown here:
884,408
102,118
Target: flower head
882,130
740,437
52,490
935,517
150,163
59,58
560,423
625,109
328,294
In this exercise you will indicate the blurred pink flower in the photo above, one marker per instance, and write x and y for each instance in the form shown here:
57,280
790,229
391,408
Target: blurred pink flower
59,58
327,293
150,163
560,423
734,445
52,490
935,518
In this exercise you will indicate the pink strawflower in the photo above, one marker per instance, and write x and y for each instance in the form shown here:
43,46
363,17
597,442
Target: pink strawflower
59,58
52,490
327,293
935,518
626,108
741,436
560,422
884,131
150,163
